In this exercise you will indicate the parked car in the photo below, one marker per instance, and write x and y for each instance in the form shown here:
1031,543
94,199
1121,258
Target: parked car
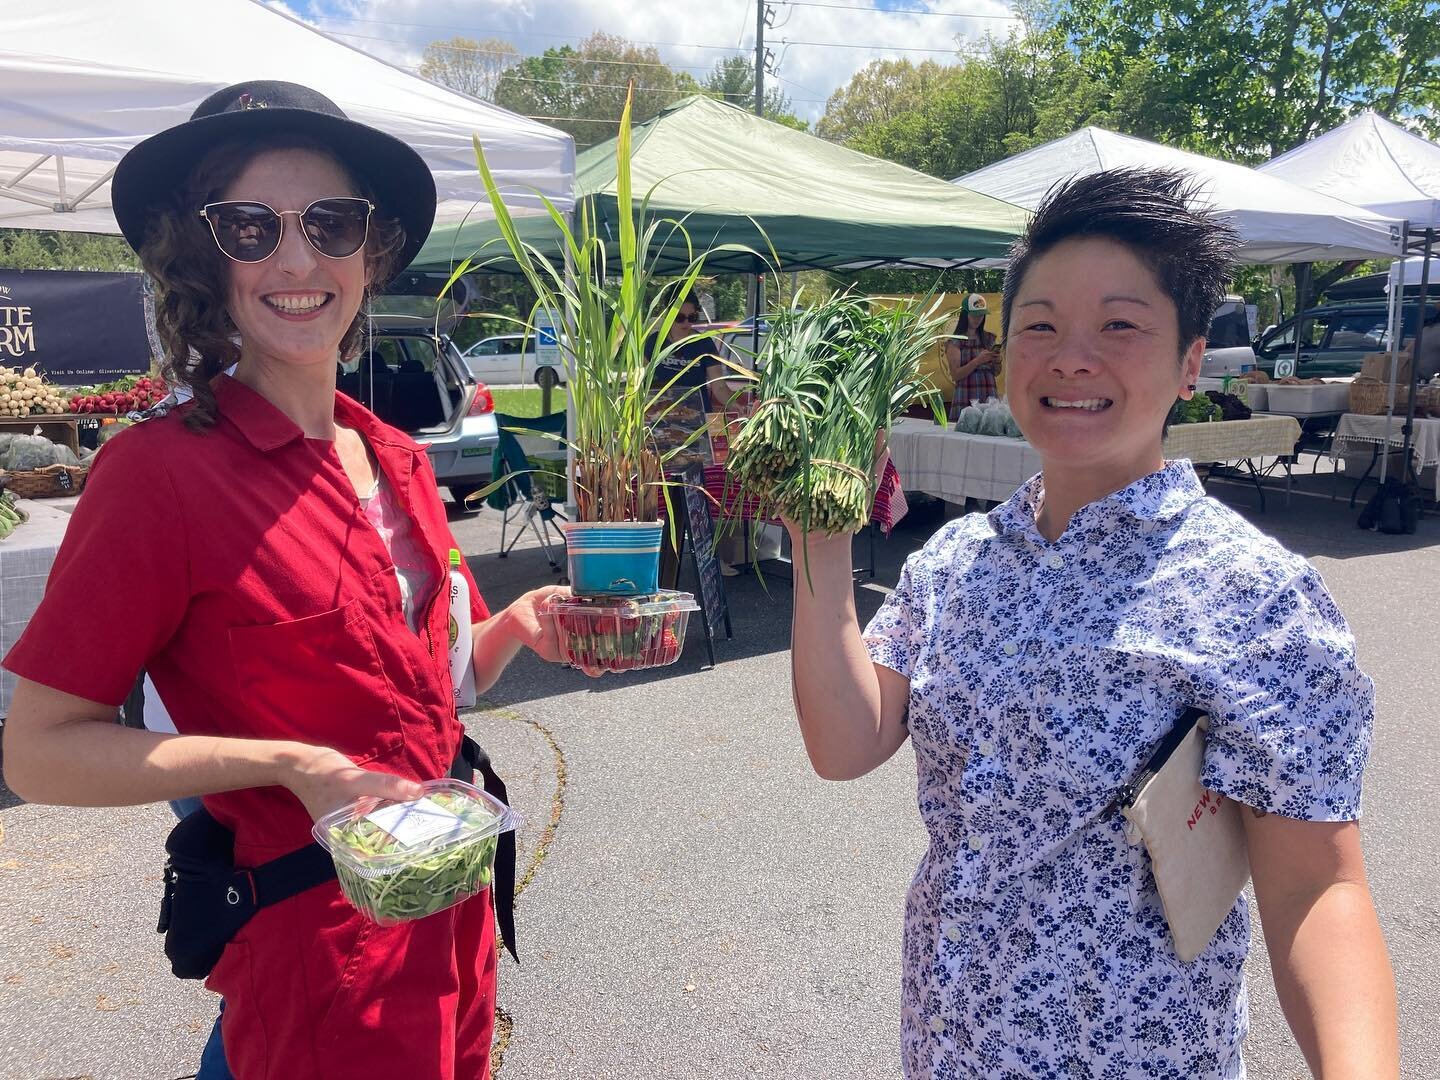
1335,338
505,360
414,379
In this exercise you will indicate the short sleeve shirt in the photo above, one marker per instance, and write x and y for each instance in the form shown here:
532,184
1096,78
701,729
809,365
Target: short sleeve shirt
686,364
1042,676
238,568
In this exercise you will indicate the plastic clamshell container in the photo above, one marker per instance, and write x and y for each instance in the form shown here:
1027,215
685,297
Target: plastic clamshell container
400,861
614,634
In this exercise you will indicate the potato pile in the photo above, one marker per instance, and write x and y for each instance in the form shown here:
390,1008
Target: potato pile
24,393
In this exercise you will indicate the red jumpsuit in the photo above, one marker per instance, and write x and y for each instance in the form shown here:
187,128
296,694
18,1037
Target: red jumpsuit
238,568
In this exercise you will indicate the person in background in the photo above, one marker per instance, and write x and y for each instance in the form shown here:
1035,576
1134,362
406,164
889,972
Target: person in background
294,550
1035,657
695,365
972,358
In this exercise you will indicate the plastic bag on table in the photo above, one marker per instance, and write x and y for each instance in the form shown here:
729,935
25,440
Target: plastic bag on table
32,452
992,421
969,421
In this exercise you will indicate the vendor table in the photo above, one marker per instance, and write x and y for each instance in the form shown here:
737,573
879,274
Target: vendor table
954,466
26,556
1380,432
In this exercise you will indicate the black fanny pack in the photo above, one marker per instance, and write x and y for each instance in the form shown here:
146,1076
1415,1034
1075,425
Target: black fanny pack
208,898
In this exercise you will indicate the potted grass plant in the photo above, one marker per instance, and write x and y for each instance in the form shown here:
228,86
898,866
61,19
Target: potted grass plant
614,348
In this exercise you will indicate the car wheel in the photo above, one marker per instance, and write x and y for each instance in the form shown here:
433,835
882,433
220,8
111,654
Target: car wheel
461,492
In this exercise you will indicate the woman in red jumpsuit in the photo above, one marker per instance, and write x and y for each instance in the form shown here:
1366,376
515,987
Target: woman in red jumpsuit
275,557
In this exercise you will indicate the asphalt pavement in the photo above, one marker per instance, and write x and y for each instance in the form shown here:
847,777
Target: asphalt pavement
705,905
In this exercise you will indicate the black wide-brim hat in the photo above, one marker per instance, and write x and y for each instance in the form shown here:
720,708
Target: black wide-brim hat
153,170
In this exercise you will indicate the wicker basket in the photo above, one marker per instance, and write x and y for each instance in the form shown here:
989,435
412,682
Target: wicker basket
1428,399
51,482
1368,398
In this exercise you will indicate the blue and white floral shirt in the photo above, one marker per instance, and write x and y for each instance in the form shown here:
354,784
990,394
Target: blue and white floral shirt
1041,678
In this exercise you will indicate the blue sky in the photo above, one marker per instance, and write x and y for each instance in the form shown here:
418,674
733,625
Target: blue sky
819,44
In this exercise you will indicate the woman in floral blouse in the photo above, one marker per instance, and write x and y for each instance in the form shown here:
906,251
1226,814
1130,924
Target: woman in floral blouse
1036,655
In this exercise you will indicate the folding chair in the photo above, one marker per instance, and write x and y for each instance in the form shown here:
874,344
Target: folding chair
520,495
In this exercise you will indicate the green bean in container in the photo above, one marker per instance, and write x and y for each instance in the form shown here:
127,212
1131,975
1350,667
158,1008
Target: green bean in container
401,861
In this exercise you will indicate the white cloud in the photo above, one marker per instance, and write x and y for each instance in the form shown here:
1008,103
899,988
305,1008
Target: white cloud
399,30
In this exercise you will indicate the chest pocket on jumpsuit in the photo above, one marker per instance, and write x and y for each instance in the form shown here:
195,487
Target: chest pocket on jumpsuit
319,680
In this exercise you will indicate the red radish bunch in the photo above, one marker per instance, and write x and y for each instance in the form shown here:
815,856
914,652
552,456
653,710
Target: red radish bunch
122,396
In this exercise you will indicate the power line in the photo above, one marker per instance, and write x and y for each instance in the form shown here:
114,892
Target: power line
872,47
521,33
894,11
685,92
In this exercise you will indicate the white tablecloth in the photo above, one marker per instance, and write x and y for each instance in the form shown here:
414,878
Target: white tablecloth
954,466
25,560
1373,431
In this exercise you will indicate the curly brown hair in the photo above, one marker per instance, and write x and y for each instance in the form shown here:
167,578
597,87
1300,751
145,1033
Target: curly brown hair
191,273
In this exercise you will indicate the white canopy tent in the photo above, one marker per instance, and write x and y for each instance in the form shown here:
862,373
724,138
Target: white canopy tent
1371,162
82,81
1376,163
1279,222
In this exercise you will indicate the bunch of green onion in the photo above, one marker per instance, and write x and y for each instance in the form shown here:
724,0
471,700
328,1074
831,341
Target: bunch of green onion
833,376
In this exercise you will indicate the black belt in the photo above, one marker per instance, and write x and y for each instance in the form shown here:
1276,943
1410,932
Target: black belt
208,898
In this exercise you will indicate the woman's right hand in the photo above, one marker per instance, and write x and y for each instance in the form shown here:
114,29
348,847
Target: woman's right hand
324,779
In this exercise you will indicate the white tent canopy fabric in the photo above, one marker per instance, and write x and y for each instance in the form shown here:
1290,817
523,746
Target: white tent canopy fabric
1372,162
1278,221
82,81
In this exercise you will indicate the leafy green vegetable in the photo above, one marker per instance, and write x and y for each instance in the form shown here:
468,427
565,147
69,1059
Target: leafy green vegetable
1198,410
377,877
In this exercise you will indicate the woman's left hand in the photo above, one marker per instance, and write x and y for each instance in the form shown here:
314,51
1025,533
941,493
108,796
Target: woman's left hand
534,630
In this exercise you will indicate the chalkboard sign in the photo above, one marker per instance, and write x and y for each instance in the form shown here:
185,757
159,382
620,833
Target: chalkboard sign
700,529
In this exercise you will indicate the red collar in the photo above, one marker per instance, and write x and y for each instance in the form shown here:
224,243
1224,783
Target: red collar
266,428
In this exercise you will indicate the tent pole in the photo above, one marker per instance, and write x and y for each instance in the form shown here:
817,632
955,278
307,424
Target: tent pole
1302,291
1409,428
1394,325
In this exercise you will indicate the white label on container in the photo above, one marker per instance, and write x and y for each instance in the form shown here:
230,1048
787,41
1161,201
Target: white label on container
418,822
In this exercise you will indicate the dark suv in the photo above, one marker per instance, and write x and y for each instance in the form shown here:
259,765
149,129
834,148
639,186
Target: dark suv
414,379
1336,338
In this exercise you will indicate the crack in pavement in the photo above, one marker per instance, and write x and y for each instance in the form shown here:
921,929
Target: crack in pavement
504,1022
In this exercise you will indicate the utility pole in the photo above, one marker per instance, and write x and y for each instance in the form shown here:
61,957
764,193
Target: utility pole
759,57
757,279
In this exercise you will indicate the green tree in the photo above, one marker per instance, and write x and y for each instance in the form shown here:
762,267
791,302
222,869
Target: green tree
733,80
471,67
582,90
26,249
1002,96
1258,77
878,93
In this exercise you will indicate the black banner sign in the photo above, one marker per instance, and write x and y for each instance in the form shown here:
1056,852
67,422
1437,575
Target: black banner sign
75,327
700,529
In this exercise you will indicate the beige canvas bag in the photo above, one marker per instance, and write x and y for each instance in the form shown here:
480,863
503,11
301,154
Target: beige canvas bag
1195,837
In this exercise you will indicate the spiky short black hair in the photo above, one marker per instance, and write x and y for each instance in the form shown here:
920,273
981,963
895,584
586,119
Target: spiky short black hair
1149,211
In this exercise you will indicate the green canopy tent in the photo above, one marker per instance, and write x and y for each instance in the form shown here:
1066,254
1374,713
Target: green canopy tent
725,171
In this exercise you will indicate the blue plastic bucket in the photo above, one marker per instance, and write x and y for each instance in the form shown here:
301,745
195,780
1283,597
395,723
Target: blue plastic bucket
613,558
